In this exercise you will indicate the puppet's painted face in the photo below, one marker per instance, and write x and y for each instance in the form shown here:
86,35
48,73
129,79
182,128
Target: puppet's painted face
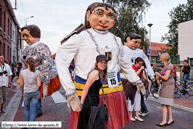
101,19
131,43
27,37
137,45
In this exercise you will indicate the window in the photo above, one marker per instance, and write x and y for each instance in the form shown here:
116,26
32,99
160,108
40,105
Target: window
4,49
7,52
0,48
0,16
191,62
20,44
10,54
8,28
159,53
4,21
13,36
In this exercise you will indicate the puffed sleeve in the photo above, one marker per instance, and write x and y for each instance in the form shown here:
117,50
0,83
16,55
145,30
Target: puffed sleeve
147,63
126,67
23,59
64,56
44,54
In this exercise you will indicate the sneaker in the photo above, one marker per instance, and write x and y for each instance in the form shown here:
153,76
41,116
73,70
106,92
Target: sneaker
132,119
139,119
144,114
3,110
38,114
140,113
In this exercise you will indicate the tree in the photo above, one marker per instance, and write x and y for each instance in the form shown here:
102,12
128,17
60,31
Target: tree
181,13
129,18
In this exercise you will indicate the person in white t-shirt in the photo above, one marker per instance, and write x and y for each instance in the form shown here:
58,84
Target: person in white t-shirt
5,81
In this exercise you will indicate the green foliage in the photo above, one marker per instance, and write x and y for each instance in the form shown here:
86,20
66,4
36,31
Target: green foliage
182,12
129,18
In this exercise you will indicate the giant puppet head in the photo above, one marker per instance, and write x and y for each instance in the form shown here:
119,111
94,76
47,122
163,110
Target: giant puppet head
99,16
31,34
132,40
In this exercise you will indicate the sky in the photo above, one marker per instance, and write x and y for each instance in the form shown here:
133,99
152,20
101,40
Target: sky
57,18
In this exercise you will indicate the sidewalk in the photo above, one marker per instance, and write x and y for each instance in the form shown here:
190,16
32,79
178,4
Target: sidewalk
185,102
10,95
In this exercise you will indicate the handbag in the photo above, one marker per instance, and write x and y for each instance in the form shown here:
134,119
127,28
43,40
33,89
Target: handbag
103,107
98,116
18,84
145,82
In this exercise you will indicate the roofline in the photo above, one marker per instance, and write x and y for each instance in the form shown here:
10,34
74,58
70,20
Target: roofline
185,21
12,13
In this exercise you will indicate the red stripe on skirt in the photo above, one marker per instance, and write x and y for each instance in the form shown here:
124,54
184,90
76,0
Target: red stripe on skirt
118,113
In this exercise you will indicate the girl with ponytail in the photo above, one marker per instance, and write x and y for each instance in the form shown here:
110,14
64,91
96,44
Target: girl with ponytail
31,79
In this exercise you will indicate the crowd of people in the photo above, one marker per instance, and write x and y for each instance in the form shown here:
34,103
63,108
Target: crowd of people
105,73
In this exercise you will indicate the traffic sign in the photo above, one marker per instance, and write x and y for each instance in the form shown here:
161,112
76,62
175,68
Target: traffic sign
148,51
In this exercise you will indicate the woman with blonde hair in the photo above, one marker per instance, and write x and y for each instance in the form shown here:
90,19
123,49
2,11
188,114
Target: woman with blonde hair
167,91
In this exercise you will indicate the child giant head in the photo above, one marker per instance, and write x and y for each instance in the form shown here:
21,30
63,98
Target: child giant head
132,40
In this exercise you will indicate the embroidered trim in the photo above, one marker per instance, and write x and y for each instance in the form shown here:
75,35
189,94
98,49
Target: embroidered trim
97,47
118,49
101,32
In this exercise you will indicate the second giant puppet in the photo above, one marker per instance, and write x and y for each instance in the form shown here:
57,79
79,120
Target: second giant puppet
43,61
84,48
131,49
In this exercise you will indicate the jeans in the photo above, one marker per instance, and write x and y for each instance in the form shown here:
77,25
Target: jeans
39,107
186,76
31,99
143,106
175,79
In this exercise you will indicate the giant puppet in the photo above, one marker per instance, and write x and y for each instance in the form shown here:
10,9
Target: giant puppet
131,49
43,61
84,48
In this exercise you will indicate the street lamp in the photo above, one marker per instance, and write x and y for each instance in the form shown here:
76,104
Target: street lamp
150,24
28,18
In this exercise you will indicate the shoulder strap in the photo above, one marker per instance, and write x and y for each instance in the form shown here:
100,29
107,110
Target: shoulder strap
90,72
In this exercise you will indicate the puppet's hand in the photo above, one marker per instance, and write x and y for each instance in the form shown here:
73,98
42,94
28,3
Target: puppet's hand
45,90
141,87
73,101
153,79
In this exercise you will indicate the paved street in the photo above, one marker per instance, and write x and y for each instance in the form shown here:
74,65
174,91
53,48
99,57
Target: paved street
55,109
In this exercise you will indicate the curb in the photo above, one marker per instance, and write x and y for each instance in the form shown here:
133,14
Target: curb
12,107
174,105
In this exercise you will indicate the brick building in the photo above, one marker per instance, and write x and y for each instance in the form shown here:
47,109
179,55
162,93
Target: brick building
7,21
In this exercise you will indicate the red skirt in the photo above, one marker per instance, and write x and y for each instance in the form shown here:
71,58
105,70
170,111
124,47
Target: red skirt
117,108
53,86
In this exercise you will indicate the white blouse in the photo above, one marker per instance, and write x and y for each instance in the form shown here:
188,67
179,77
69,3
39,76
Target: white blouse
131,55
84,48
